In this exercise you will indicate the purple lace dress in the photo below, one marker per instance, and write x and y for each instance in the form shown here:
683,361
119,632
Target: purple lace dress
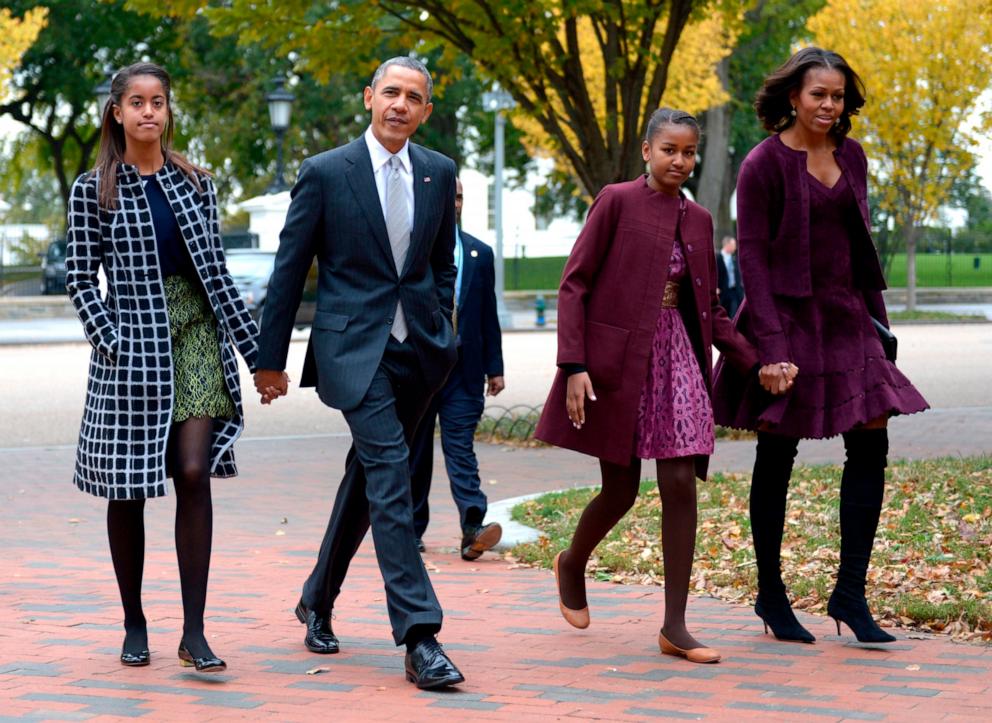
674,417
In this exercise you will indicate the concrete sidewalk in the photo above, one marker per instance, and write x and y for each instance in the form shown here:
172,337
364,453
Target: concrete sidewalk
60,618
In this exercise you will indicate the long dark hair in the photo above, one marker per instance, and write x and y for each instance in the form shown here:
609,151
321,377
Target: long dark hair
772,103
112,141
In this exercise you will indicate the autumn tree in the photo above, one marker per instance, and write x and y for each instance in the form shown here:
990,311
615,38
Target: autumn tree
532,48
16,36
925,65
52,94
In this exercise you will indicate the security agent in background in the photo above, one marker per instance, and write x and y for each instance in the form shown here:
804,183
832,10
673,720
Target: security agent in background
729,276
459,404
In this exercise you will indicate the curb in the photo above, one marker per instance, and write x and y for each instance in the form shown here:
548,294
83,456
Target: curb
514,533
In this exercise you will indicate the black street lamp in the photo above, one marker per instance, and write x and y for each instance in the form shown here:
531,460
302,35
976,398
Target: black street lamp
280,103
102,92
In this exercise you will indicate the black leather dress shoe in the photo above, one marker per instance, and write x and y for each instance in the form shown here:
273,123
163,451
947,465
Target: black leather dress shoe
208,664
476,540
428,667
320,637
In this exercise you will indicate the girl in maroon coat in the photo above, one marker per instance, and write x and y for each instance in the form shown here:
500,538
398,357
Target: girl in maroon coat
637,315
813,285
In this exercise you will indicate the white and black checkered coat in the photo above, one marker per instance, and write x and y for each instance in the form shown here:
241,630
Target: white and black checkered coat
122,441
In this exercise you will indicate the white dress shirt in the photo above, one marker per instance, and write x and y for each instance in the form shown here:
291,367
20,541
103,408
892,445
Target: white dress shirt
380,168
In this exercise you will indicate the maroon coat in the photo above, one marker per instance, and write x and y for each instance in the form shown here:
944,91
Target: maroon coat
608,306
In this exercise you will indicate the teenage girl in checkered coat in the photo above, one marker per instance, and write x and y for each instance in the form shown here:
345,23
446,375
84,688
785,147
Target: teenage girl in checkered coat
163,396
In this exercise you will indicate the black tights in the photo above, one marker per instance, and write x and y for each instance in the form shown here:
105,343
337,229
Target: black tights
677,485
188,455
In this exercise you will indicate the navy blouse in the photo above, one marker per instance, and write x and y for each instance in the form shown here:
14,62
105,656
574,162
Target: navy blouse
173,256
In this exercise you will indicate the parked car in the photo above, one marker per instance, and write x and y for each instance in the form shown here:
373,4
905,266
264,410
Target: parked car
251,269
53,268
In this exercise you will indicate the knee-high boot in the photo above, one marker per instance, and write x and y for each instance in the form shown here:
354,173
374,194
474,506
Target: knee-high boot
773,462
861,491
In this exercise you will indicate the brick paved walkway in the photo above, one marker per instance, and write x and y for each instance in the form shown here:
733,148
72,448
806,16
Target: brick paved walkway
60,617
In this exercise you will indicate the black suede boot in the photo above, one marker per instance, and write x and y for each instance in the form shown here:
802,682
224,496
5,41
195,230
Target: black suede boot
773,461
861,490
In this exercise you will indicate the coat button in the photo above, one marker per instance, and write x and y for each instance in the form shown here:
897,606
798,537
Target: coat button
704,315
699,281
389,322
689,246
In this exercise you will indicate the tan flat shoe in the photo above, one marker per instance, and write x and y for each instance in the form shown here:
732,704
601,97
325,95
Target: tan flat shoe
575,618
696,655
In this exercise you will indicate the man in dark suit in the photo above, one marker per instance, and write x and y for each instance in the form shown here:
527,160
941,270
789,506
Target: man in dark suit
379,213
460,402
728,273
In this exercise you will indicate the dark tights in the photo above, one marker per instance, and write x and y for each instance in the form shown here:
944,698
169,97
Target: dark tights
677,484
188,454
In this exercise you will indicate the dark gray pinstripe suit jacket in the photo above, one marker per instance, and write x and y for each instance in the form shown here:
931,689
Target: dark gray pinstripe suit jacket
335,214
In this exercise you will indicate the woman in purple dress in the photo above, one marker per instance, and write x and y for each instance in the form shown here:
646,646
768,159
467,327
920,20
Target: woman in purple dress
637,315
813,285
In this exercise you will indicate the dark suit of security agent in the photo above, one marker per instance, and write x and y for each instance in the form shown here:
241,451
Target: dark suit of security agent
459,405
379,215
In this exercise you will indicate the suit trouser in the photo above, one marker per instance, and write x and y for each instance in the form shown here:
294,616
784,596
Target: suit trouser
375,490
459,412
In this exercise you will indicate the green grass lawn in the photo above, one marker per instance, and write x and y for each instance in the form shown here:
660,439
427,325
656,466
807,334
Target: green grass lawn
931,567
942,270
933,316
931,270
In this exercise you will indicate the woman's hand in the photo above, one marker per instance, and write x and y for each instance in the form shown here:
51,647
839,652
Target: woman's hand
777,378
579,387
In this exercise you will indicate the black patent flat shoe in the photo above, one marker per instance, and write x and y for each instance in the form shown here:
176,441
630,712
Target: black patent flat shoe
210,664
135,660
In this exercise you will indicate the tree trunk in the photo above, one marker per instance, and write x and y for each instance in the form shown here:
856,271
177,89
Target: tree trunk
912,234
714,182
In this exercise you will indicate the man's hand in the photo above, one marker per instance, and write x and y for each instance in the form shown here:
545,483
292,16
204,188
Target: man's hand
496,385
777,378
579,388
271,384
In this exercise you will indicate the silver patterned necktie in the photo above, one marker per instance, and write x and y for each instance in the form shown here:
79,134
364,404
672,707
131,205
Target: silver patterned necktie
398,229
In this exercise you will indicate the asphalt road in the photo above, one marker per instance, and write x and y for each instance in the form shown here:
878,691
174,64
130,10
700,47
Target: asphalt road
42,386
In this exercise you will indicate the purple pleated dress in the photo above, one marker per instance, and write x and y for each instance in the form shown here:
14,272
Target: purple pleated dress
674,417
831,394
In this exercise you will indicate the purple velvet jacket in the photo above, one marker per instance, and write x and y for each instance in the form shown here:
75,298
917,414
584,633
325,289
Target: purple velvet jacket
773,236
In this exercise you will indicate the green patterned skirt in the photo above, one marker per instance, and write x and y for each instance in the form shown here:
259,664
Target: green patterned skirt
198,377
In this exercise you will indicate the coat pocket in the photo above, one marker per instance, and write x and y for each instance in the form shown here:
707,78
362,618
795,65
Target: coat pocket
606,352
329,321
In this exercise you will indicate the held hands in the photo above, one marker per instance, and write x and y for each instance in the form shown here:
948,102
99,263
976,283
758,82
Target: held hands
579,388
495,386
271,384
778,378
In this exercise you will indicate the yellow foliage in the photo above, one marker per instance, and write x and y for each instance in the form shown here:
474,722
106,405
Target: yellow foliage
693,84
925,64
16,36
